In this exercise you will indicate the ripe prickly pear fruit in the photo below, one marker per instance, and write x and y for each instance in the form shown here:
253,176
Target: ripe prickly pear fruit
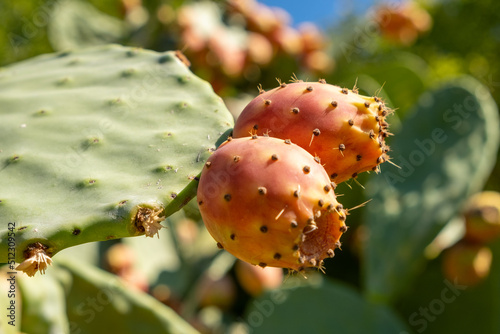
467,263
256,280
270,203
482,217
344,129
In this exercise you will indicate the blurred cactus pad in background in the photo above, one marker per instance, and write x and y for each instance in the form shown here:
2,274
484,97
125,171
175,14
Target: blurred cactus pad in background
110,110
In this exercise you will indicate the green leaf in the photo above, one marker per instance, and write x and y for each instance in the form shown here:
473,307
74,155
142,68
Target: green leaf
77,24
89,137
43,305
320,307
437,305
98,302
446,150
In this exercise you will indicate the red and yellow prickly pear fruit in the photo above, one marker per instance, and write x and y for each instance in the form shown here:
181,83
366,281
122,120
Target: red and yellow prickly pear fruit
482,217
256,280
220,292
270,203
467,263
344,129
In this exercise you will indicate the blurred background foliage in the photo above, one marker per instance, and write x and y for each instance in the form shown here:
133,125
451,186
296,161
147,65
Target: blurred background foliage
422,57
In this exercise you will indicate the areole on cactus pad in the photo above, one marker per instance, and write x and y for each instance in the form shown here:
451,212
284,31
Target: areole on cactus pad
269,202
344,129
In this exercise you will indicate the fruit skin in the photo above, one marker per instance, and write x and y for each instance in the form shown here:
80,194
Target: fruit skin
344,129
467,263
270,203
482,217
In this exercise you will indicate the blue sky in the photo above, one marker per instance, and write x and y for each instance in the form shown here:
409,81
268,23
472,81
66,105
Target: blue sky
322,12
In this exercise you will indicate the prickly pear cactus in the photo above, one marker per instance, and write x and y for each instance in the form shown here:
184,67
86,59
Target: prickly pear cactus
445,150
96,145
345,130
270,203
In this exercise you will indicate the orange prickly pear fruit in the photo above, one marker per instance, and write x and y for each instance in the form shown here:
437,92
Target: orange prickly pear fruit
255,280
270,203
467,263
482,217
344,129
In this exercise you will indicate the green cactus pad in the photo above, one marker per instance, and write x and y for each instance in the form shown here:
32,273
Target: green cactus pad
446,149
89,137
